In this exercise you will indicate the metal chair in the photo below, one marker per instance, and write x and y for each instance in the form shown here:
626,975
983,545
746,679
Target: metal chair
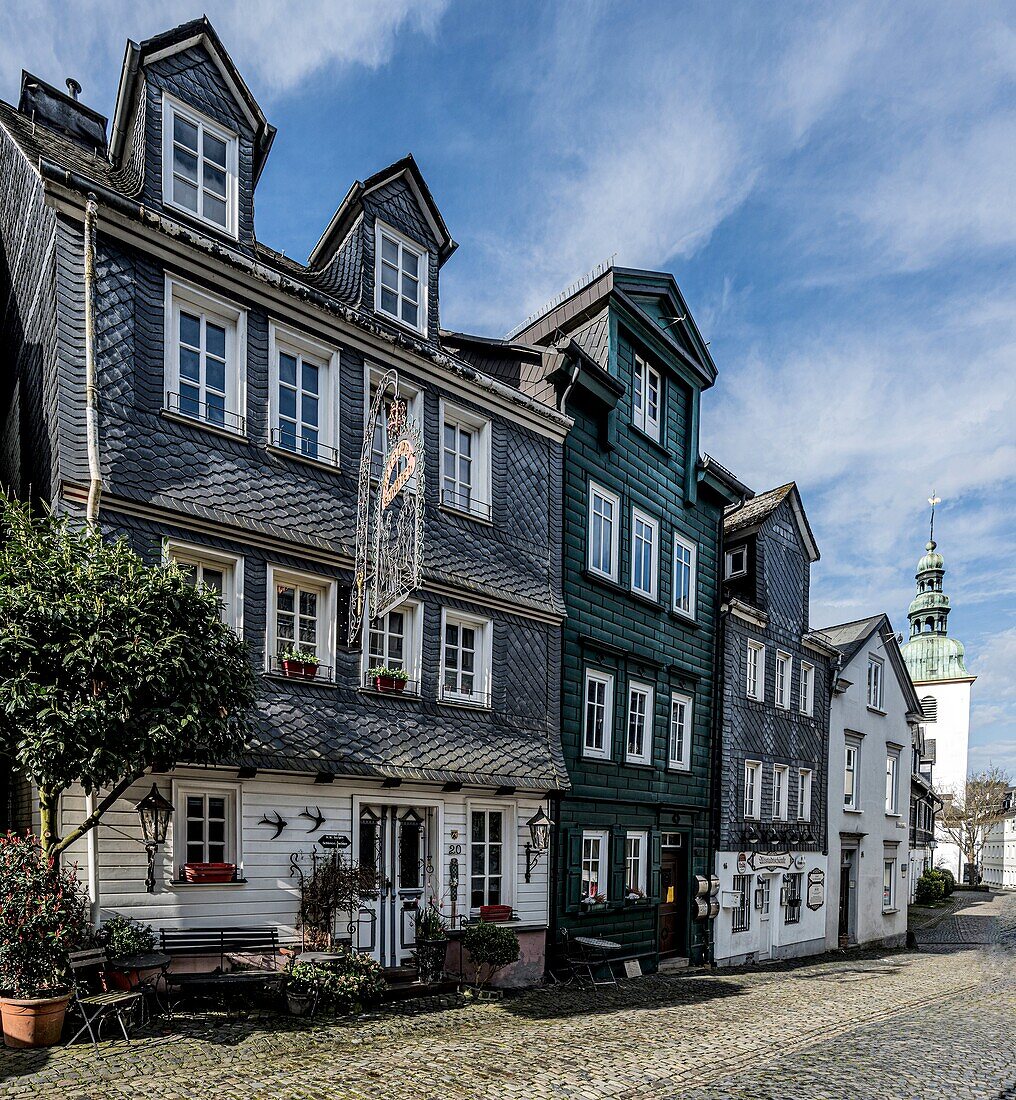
96,1008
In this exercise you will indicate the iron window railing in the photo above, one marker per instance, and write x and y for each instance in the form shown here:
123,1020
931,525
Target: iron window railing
741,917
204,413
479,699
304,448
303,672
793,897
466,503
383,686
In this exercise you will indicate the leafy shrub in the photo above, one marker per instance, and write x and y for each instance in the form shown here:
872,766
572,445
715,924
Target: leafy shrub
121,937
930,887
490,947
43,916
948,878
350,984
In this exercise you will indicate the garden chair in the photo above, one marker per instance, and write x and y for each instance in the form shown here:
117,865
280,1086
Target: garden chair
96,1008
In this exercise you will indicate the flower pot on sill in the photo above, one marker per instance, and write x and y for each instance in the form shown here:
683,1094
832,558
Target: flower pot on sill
493,913
300,670
33,1021
209,872
389,683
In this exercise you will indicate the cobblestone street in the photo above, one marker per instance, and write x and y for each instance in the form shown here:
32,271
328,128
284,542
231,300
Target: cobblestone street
889,1025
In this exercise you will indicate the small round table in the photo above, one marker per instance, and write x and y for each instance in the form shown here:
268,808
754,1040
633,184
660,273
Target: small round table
597,953
320,958
139,964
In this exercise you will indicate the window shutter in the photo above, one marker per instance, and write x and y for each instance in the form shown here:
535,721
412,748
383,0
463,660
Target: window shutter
616,856
574,870
655,859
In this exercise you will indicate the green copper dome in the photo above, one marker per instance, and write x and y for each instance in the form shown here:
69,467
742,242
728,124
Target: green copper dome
930,653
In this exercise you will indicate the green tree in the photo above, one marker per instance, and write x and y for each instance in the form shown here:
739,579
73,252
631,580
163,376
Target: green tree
108,666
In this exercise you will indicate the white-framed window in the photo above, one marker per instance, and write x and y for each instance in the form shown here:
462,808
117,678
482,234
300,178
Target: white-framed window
875,670
781,781
412,395
395,641
636,863
851,776
598,725
784,674
199,165
740,917
205,350
792,897
400,278
755,671
752,789
488,862
215,571
206,823
888,884
647,389
806,701
604,531
465,658
301,618
303,396
804,794
639,743
892,781
594,866
735,563
465,462
679,751
645,541
685,576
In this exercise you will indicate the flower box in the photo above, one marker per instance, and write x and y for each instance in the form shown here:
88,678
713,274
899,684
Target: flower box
389,683
301,670
209,872
492,913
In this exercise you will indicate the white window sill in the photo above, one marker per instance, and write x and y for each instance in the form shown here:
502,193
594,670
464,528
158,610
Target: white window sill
599,575
196,422
405,325
465,703
639,761
851,810
206,885
195,219
877,710
307,460
889,814
588,754
676,766
685,616
466,513
889,912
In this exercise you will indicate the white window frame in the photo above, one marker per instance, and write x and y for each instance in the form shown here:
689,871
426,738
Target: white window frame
692,548
643,375
876,683
602,862
179,790
889,865
413,395
481,503
755,685
607,680
729,571
598,491
680,703
406,244
892,782
282,340
851,767
753,787
172,107
325,587
637,515
781,785
806,691
482,672
186,553
509,828
636,858
646,692
412,643
183,296
804,794
784,679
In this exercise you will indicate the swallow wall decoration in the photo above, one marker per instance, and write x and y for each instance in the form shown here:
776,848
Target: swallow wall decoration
278,824
317,817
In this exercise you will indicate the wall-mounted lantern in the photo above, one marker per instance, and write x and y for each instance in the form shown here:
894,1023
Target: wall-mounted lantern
154,811
539,840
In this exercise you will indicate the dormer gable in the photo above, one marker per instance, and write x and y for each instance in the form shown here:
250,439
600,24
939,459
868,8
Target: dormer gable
384,248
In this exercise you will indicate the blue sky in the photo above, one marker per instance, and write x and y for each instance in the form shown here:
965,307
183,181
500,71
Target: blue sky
832,185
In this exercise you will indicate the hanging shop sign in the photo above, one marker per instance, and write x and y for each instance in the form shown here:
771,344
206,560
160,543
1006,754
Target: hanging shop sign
816,888
764,861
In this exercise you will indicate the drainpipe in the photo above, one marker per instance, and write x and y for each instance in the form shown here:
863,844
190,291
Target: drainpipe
91,383
92,847
716,756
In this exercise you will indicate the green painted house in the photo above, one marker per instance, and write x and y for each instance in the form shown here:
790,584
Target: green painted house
641,548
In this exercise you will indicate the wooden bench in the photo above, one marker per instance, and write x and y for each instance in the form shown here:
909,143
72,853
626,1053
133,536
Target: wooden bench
225,943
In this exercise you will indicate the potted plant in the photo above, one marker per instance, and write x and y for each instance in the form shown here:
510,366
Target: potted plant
299,663
431,943
593,902
44,915
635,896
388,679
209,872
348,984
122,938
490,947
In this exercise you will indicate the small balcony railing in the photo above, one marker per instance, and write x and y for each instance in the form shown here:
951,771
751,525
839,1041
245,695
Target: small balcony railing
205,413
467,504
301,672
383,685
310,449
478,699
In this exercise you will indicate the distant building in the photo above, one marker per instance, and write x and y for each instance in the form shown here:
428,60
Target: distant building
998,856
936,665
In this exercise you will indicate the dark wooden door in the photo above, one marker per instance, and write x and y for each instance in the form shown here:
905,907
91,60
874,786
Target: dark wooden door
674,902
845,870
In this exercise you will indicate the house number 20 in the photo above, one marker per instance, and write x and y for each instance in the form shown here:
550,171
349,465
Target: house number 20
455,849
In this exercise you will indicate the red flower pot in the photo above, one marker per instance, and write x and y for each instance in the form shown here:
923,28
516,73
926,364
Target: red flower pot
301,670
495,912
389,683
209,872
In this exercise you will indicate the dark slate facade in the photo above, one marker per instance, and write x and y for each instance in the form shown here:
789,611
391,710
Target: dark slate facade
768,551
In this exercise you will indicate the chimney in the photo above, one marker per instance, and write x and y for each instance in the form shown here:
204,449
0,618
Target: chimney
48,106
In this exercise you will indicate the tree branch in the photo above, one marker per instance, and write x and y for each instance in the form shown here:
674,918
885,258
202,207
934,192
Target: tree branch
92,820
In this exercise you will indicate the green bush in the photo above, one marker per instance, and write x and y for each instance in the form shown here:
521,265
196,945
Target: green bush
948,878
490,947
350,984
930,888
122,937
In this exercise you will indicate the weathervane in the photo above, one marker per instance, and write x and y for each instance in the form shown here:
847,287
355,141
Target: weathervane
933,500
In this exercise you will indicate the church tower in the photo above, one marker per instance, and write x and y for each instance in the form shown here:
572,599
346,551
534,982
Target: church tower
936,665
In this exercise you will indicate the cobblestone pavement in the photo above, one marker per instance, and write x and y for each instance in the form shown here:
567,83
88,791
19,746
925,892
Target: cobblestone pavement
940,1022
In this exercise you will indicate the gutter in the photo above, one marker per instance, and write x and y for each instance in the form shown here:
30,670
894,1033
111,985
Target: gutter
91,380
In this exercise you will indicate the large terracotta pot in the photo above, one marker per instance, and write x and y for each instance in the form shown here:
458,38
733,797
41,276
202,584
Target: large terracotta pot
33,1021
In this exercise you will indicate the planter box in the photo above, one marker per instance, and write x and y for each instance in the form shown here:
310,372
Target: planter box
209,872
494,913
299,670
389,684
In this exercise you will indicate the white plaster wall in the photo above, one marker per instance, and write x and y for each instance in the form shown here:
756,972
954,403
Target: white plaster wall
998,857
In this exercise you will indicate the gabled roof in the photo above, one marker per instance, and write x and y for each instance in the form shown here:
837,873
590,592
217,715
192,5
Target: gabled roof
752,512
184,37
352,206
850,638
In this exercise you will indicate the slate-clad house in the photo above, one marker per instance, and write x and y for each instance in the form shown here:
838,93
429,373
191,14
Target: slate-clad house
774,731
622,356
233,384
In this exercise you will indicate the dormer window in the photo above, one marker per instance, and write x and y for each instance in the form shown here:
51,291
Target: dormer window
735,563
199,166
400,278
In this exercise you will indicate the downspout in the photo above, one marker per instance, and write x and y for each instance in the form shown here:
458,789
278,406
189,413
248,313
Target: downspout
716,755
91,382
92,847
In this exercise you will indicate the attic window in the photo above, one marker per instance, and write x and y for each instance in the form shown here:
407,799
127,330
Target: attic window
198,166
735,563
400,279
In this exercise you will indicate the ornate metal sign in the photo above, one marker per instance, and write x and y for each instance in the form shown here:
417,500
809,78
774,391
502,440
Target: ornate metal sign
764,861
816,888
389,522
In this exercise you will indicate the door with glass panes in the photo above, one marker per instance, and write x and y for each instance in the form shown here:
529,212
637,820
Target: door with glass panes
486,859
